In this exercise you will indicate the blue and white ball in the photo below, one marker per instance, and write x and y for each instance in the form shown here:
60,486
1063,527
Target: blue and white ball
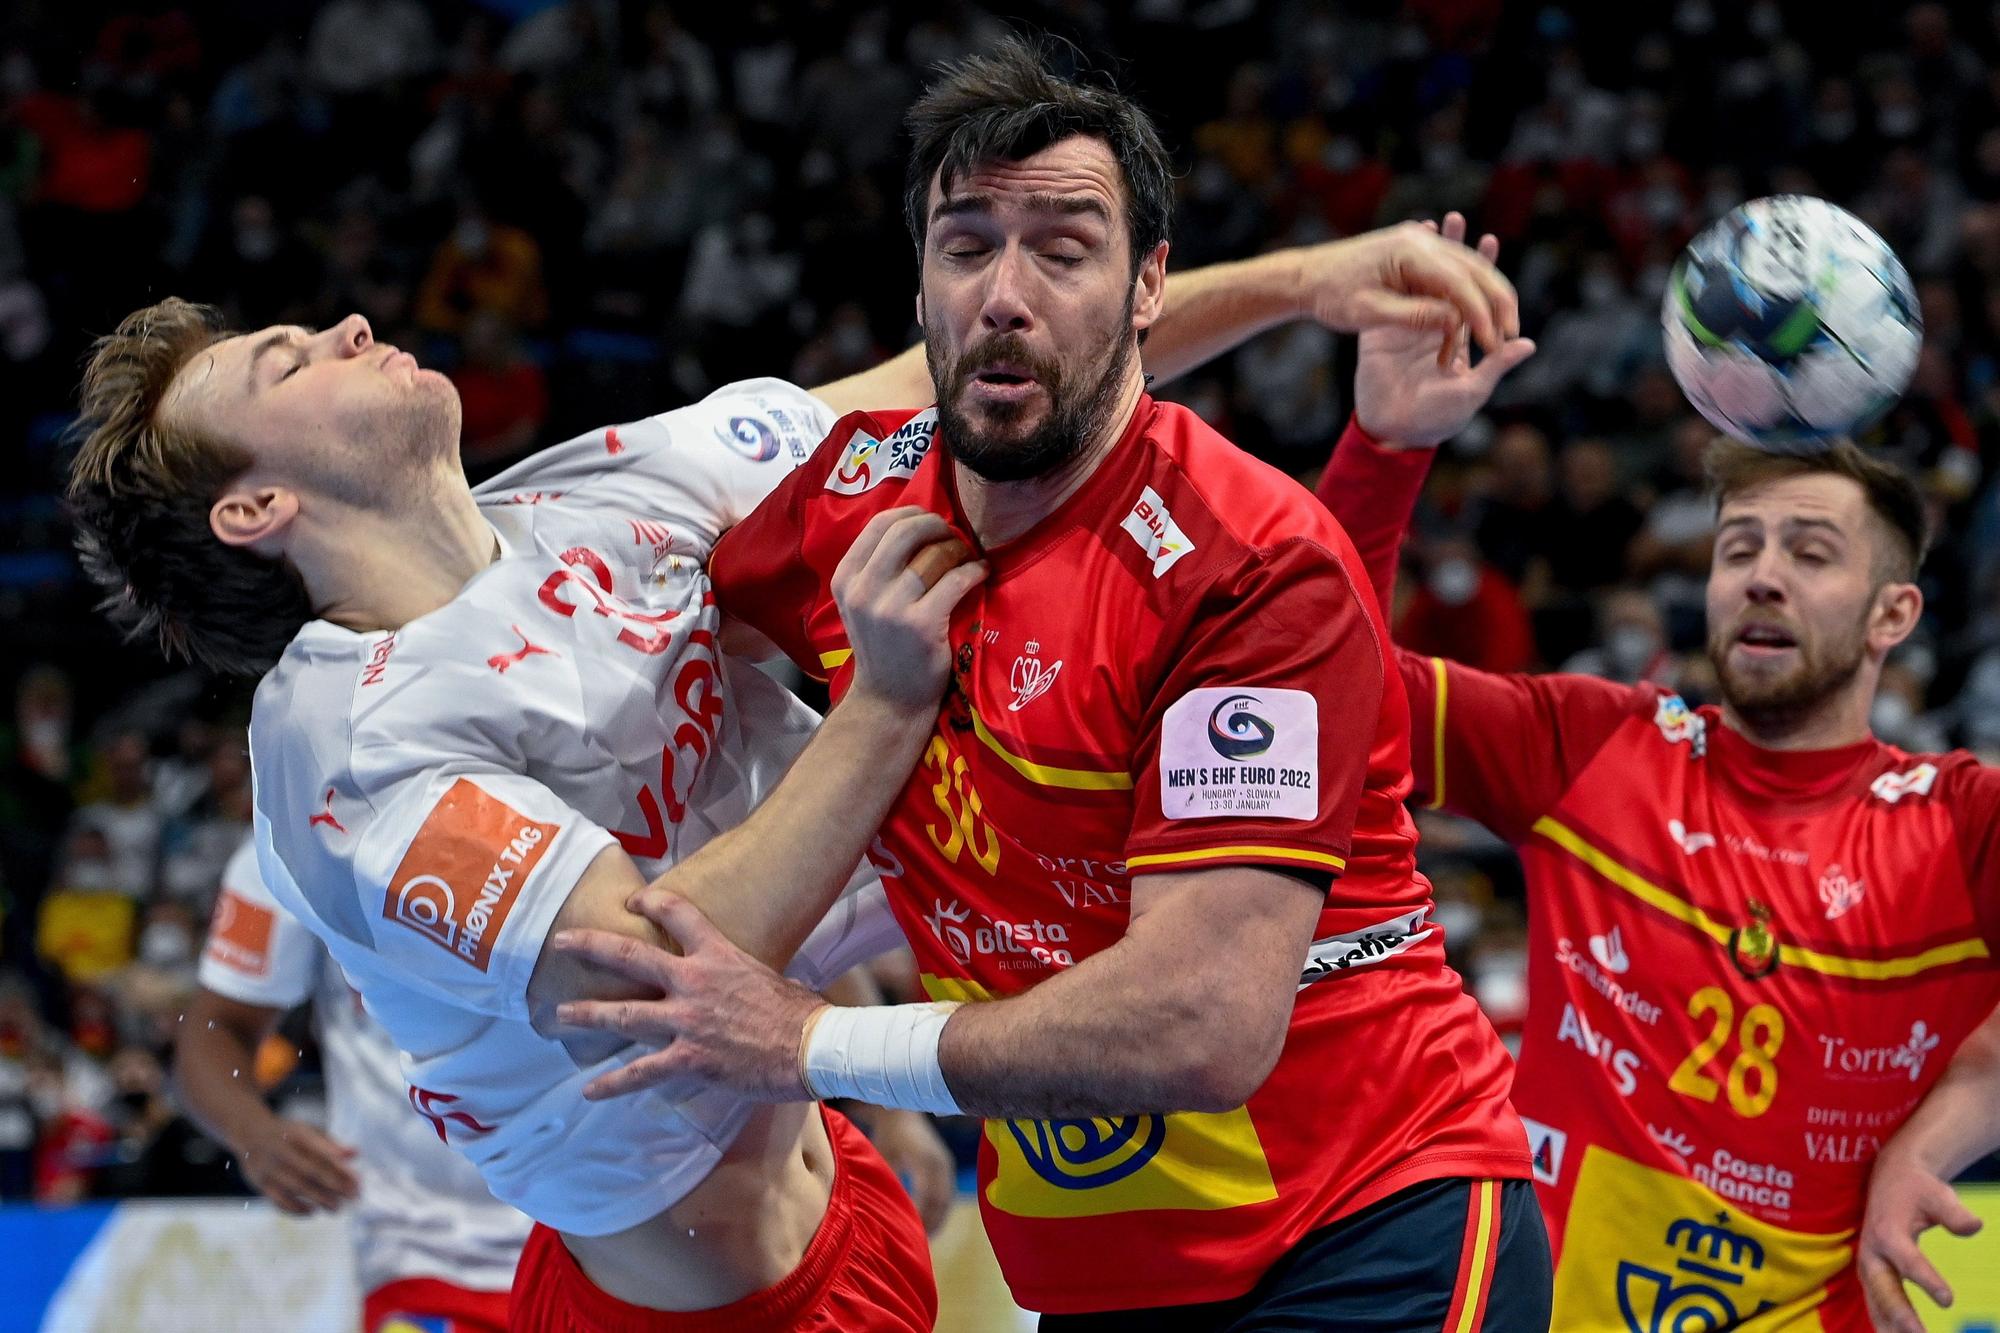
1790,324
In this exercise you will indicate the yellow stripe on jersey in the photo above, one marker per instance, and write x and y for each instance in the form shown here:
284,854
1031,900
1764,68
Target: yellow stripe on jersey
1858,969
1470,1313
837,658
1076,779
1299,854
1437,736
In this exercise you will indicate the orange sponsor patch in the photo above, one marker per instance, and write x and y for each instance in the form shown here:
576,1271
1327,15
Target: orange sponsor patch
458,881
239,935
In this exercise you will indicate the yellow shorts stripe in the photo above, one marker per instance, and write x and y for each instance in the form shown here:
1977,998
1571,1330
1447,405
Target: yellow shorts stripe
838,657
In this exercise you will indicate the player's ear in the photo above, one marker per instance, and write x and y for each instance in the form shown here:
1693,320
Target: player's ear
1149,294
1898,608
252,515
920,306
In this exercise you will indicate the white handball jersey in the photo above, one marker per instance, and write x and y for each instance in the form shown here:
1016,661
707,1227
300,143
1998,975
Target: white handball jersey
423,1211
426,799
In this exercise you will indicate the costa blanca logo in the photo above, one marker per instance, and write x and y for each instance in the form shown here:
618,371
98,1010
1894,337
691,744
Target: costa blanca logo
1150,525
1677,722
750,437
1838,892
1235,732
1041,941
1893,787
464,870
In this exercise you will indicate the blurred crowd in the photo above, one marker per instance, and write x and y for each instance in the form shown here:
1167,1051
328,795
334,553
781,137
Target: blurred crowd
592,210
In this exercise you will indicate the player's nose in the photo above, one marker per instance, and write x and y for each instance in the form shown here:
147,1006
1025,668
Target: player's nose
1005,304
352,336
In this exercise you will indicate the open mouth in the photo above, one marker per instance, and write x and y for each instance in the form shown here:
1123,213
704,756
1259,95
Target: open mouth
1003,376
1765,638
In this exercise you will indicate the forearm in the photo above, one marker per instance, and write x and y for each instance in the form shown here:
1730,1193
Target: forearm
213,1070
1212,310
1958,1121
1101,1039
767,882
1372,490
903,381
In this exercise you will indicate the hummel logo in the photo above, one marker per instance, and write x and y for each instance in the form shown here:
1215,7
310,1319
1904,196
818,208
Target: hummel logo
1686,841
1609,951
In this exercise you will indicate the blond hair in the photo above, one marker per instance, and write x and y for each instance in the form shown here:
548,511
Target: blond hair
140,488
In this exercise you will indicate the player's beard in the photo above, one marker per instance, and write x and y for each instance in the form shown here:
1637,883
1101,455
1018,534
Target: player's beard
394,456
1777,701
1076,412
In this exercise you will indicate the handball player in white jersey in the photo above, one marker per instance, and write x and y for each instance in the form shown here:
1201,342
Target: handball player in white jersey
432,1247
491,716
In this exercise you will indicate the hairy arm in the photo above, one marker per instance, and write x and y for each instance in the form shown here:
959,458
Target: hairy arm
766,883
1187,1012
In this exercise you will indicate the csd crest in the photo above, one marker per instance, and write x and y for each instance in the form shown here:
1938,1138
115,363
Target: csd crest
1088,1154
1704,1291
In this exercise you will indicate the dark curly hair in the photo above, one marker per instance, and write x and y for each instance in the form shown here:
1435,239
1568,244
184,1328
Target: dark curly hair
140,489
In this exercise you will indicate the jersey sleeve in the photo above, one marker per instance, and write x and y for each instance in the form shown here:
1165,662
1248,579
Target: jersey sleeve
459,875
1372,490
1503,748
759,569
257,952
1975,809
1258,743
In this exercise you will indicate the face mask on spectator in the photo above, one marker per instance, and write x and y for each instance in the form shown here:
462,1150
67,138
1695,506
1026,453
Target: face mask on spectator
1890,715
1454,581
90,875
166,944
1459,920
1631,649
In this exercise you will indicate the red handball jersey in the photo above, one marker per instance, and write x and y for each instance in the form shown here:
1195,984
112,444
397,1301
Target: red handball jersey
1747,967
1177,669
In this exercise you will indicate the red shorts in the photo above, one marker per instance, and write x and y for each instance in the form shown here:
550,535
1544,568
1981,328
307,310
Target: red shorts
434,1307
868,1269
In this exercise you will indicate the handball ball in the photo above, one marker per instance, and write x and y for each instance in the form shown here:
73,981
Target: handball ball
1790,324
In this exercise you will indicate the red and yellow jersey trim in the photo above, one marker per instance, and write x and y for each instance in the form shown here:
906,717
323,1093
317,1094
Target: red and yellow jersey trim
1049,775
1663,900
1437,734
1318,860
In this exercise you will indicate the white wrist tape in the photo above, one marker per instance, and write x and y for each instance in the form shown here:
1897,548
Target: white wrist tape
885,1055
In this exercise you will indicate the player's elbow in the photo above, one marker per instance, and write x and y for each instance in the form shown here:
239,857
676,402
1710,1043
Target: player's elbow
1228,1058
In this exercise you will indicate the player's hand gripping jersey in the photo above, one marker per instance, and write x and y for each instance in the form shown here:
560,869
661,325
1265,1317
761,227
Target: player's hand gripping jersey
427,798
1173,671
1747,965
423,1211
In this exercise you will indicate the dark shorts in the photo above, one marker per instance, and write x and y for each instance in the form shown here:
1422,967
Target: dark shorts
1446,1256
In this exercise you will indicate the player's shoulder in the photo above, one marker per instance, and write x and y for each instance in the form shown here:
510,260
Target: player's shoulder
870,457
1955,780
1244,503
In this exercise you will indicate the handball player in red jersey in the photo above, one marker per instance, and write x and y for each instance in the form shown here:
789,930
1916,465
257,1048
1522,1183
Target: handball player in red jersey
1757,933
1154,862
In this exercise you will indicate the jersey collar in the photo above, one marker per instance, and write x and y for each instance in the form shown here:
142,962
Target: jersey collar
1112,474
1785,775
